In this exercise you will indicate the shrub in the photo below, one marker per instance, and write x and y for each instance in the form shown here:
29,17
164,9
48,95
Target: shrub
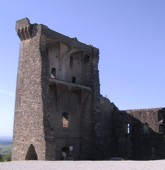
5,158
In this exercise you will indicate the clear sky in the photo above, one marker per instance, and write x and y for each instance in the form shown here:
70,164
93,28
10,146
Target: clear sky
129,33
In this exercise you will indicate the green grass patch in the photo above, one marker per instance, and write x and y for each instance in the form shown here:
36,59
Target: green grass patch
5,152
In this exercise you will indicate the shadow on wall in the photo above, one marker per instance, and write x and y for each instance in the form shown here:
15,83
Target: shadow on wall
135,139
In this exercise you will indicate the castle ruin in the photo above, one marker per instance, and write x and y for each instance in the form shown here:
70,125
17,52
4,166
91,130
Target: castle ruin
59,112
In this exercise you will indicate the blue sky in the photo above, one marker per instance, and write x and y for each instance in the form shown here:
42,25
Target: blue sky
129,33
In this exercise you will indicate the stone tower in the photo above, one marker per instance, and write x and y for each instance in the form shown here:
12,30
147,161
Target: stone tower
57,98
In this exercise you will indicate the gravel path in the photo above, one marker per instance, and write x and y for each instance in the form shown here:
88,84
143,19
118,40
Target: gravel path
83,165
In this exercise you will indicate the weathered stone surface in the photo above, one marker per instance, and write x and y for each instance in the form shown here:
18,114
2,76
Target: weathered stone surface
57,76
139,134
60,114
24,28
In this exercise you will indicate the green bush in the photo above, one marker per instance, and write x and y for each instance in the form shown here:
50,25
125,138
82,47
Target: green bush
5,158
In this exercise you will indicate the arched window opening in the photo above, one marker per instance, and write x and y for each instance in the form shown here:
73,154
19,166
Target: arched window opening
86,59
53,72
31,154
65,120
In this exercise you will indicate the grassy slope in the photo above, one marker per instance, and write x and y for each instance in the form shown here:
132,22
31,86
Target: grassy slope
5,146
5,149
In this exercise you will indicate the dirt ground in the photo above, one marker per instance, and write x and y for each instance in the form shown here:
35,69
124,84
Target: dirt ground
83,165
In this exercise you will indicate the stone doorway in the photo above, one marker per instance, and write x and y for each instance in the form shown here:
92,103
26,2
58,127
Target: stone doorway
31,154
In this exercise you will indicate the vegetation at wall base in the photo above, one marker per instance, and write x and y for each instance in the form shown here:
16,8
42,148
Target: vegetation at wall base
5,149
5,158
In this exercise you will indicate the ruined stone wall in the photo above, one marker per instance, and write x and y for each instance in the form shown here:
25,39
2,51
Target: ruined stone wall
72,59
106,110
58,96
146,116
59,110
137,134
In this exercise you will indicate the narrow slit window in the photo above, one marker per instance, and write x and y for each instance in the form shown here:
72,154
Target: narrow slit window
53,72
71,61
47,51
127,128
73,79
65,120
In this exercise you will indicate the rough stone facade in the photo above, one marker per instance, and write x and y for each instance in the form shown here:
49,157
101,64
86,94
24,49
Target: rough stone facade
139,134
60,114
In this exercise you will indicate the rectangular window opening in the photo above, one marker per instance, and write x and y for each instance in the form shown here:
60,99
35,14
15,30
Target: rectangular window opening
65,120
